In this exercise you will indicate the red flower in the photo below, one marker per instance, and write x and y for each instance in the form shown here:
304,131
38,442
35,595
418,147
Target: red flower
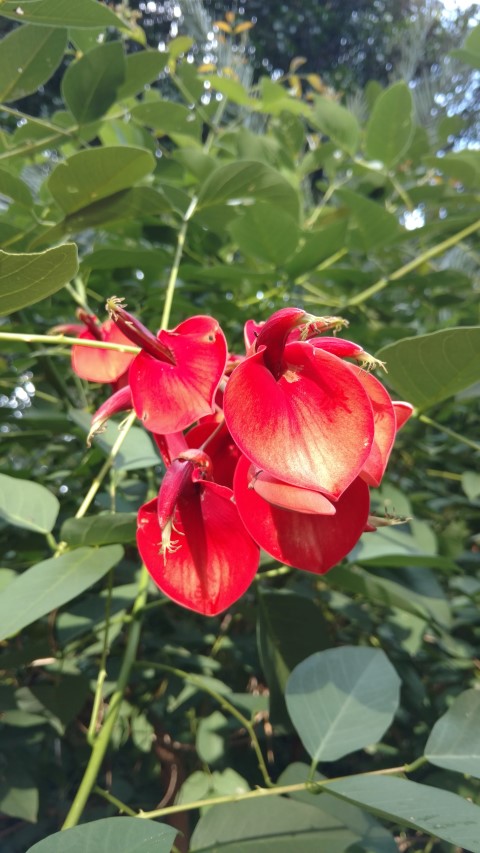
298,411
193,541
97,365
299,535
176,375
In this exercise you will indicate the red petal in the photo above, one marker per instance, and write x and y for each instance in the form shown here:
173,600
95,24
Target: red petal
215,561
402,412
222,449
170,397
101,365
385,427
290,497
314,543
119,401
170,446
313,428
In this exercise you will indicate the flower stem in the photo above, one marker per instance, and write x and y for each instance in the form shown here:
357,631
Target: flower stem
172,279
276,791
122,807
103,739
64,340
412,265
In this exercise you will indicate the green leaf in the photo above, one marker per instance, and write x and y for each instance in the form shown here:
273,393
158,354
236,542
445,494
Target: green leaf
50,584
440,813
94,174
290,627
18,793
376,225
179,45
470,51
341,700
266,232
336,122
121,834
61,13
238,183
15,189
107,529
137,450
231,89
141,68
28,58
26,279
471,484
270,825
390,128
26,504
210,741
317,246
167,118
389,593
370,834
89,85
454,741
430,368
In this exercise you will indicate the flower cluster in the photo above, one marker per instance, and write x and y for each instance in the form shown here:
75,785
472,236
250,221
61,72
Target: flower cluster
275,449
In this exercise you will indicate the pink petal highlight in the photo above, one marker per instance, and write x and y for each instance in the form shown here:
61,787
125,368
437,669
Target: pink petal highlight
403,411
286,496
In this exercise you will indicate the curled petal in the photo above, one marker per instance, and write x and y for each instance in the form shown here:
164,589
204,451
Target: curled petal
170,446
284,495
120,401
403,412
384,424
101,365
314,543
312,428
170,397
212,560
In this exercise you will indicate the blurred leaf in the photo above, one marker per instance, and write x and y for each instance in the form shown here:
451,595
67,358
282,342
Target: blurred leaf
454,741
89,85
179,45
137,450
290,627
107,529
318,245
141,68
167,117
26,279
94,174
439,813
51,583
376,225
61,13
15,189
231,89
121,834
18,792
266,232
341,700
210,741
470,52
338,123
391,593
430,368
390,127
235,182
28,58
471,484
24,503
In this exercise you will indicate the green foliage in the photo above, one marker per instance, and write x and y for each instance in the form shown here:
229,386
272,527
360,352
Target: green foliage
113,699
